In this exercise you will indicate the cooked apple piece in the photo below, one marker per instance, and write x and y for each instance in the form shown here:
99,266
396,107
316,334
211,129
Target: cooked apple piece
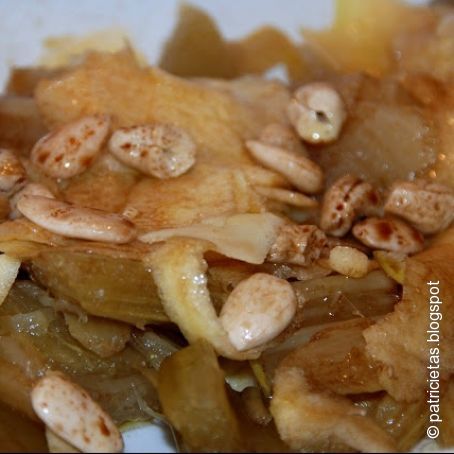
407,149
179,269
121,289
35,338
20,123
23,80
153,347
202,193
111,186
194,399
309,418
268,97
265,48
324,302
361,36
428,49
101,336
196,47
115,84
405,358
335,359
405,422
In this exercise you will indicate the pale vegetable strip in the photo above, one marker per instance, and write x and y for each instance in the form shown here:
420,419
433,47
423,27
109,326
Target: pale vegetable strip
179,270
9,267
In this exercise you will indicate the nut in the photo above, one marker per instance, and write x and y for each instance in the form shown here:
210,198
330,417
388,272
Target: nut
73,415
76,222
348,261
389,235
160,150
70,150
317,112
427,206
281,136
348,198
258,309
300,171
297,245
29,189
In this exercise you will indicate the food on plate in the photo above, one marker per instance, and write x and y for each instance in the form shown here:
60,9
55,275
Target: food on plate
248,260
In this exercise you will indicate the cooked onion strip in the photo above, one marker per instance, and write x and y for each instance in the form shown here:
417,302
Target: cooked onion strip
246,237
179,271
9,267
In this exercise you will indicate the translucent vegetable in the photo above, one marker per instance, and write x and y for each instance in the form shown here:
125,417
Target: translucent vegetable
207,55
361,36
335,359
405,422
103,337
247,237
197,48
120,289
153,347
193,397
115,382
325,303
380,105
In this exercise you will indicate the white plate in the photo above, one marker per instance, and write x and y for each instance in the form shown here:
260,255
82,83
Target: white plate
26,23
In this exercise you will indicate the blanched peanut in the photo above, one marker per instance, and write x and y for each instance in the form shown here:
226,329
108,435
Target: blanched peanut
346,199
297,245
317,112
281,136
389,235
29,189
300,171
285,196
69,150
258,309
12,173
76,222
348,261
159,150
427,206
73,415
